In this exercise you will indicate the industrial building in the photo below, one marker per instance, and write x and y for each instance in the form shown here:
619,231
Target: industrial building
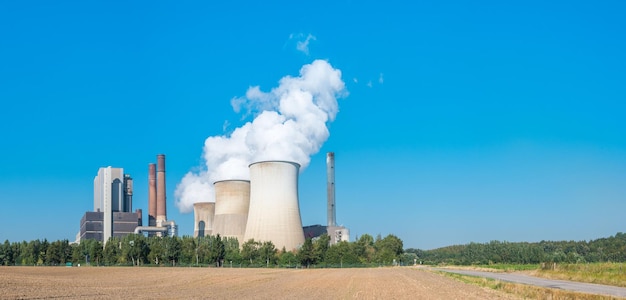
91,224
266,208
112,207
113,203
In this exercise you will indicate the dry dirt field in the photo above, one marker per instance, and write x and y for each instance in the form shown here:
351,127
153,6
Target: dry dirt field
227,283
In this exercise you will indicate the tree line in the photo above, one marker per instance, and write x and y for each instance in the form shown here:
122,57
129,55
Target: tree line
611,249
137,249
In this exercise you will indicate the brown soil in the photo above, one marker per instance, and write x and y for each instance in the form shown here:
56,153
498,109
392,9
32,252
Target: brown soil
227,283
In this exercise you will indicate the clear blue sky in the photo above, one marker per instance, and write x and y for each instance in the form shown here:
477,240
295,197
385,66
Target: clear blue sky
464,121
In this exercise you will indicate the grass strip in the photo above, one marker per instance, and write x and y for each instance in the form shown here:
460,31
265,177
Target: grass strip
523,290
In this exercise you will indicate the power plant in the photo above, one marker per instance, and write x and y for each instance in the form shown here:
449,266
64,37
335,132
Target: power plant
266,208
113,195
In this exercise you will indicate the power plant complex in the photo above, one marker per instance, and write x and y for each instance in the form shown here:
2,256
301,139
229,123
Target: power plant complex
112,216
265,208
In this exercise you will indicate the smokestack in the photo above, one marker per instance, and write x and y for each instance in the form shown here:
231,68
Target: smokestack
128,194
330,189
161,213
152,195
139,214
274,213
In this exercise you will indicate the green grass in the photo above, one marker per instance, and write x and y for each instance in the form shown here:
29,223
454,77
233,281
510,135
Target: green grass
511,267
600,273
522,290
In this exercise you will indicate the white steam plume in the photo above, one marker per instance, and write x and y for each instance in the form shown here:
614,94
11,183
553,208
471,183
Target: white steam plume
290,124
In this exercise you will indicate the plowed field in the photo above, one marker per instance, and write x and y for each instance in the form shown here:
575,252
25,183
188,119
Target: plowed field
227,283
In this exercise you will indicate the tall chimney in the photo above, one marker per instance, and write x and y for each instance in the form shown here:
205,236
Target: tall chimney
152,195
330,188
128,193
161,209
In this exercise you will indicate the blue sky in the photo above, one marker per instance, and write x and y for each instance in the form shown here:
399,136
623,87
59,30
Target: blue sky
464,121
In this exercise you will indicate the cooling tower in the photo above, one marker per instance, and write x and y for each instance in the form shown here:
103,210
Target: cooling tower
203,213
274,210
161,213
232,200
152,192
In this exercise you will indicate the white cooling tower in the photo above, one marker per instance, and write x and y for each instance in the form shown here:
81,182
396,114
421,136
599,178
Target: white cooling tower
203,213
232,199
274,210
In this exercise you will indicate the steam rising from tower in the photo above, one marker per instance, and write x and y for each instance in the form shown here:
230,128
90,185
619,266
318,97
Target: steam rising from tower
289,125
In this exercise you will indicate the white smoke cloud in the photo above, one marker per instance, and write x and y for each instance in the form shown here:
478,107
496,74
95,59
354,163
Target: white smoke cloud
290,124
303,45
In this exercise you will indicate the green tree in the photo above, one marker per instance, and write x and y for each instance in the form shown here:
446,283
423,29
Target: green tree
40,256
134,249
112,252
408,259
232,254
53,254
320,247
6,254
156,254
34,252
342,253
188,250
172,249
77,254
95,251
16,249
219,250
388,249
287,259
203,250
364,249
250,252
306,255
267,253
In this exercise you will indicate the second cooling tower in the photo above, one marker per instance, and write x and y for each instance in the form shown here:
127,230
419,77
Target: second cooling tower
232,199
274,213
204,213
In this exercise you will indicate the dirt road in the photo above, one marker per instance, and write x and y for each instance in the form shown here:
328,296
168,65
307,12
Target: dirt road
588,288
227,283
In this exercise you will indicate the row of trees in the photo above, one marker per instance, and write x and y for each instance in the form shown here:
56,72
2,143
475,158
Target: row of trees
611,249
135,249
35,252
